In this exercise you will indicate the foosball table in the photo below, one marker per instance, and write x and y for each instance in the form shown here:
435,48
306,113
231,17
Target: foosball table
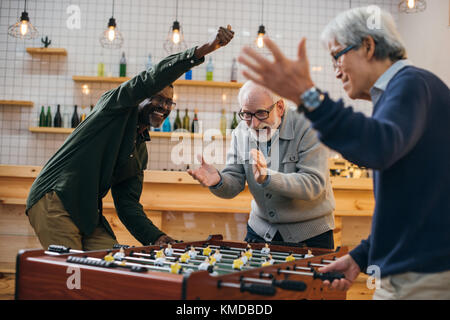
212,269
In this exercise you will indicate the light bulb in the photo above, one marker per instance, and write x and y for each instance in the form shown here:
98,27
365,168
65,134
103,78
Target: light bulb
411,4
260,38
111,34
260,41
24,27
176,36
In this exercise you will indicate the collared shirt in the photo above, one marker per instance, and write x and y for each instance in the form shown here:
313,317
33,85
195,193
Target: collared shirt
380,85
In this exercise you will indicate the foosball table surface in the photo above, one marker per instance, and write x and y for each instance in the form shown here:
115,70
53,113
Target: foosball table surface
242,271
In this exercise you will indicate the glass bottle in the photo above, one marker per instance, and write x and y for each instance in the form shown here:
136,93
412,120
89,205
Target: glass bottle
194,126
123,66
234,122
57,120
166,125
234,71
149,63
75,118
188,75
186,121
209,70
42,118
101,69
223,123
48,118
177,124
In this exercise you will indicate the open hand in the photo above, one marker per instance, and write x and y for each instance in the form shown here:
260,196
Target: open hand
260,166
206,174
288,78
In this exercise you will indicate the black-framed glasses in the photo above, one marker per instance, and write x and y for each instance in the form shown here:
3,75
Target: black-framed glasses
341,53
161,101
261,114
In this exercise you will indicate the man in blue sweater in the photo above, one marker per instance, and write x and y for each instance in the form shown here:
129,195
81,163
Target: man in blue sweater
406,142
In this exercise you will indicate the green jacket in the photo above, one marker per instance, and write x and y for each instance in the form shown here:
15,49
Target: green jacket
103,153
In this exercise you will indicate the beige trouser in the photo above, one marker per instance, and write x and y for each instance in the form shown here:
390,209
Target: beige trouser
415,286
53,225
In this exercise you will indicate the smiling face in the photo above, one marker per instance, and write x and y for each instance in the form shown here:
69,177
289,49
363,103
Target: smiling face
159,110
256,100
354,70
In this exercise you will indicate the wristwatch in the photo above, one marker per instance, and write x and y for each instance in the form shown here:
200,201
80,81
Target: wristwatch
311,99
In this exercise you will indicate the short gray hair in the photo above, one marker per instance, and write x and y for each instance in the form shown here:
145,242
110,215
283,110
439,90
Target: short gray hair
250,85
351,27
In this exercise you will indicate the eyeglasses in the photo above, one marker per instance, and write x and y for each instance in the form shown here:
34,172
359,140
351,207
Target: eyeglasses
161,101
259,114
336,63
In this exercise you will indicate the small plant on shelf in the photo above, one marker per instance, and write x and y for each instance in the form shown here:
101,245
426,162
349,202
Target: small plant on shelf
46,42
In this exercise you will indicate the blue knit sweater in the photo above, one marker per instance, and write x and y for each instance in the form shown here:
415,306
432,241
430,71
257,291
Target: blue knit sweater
407,143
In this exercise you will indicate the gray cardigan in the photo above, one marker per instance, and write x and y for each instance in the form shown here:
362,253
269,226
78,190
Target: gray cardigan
297,198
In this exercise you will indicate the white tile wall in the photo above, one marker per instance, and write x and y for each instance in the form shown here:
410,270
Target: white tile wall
47,80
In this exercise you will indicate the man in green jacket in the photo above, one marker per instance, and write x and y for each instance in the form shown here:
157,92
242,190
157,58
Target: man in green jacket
108,151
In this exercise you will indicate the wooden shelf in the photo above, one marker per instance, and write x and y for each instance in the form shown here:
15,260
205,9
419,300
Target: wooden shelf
160,134
16,103
100,79
153,134
50,130
192,83
49,51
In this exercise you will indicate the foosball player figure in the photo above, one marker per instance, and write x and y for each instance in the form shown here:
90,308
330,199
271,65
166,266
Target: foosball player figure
204,265
168,251
192,253
184,258
175,267
109,257
309,254
265,249
290,257
237,264
268,261
160,258
244,257
249,252
217,255
207,251
119,255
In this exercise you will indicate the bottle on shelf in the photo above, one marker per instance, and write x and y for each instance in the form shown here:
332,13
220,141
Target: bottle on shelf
166,127
177,124
101,69
234,70
223,123
57,120
209,70
195,124
83,115
123,66
188,75
186,121
42,122
234,122
75,118
48,117
149,63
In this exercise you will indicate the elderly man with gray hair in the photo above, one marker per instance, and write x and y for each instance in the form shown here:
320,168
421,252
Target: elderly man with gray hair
406,141
276,152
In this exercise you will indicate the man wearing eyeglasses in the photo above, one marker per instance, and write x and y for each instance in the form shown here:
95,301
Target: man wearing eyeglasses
406,141
108,151
285,166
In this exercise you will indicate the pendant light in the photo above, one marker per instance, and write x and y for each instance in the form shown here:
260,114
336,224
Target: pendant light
23,29
412,6
175,38
111,38
261,30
